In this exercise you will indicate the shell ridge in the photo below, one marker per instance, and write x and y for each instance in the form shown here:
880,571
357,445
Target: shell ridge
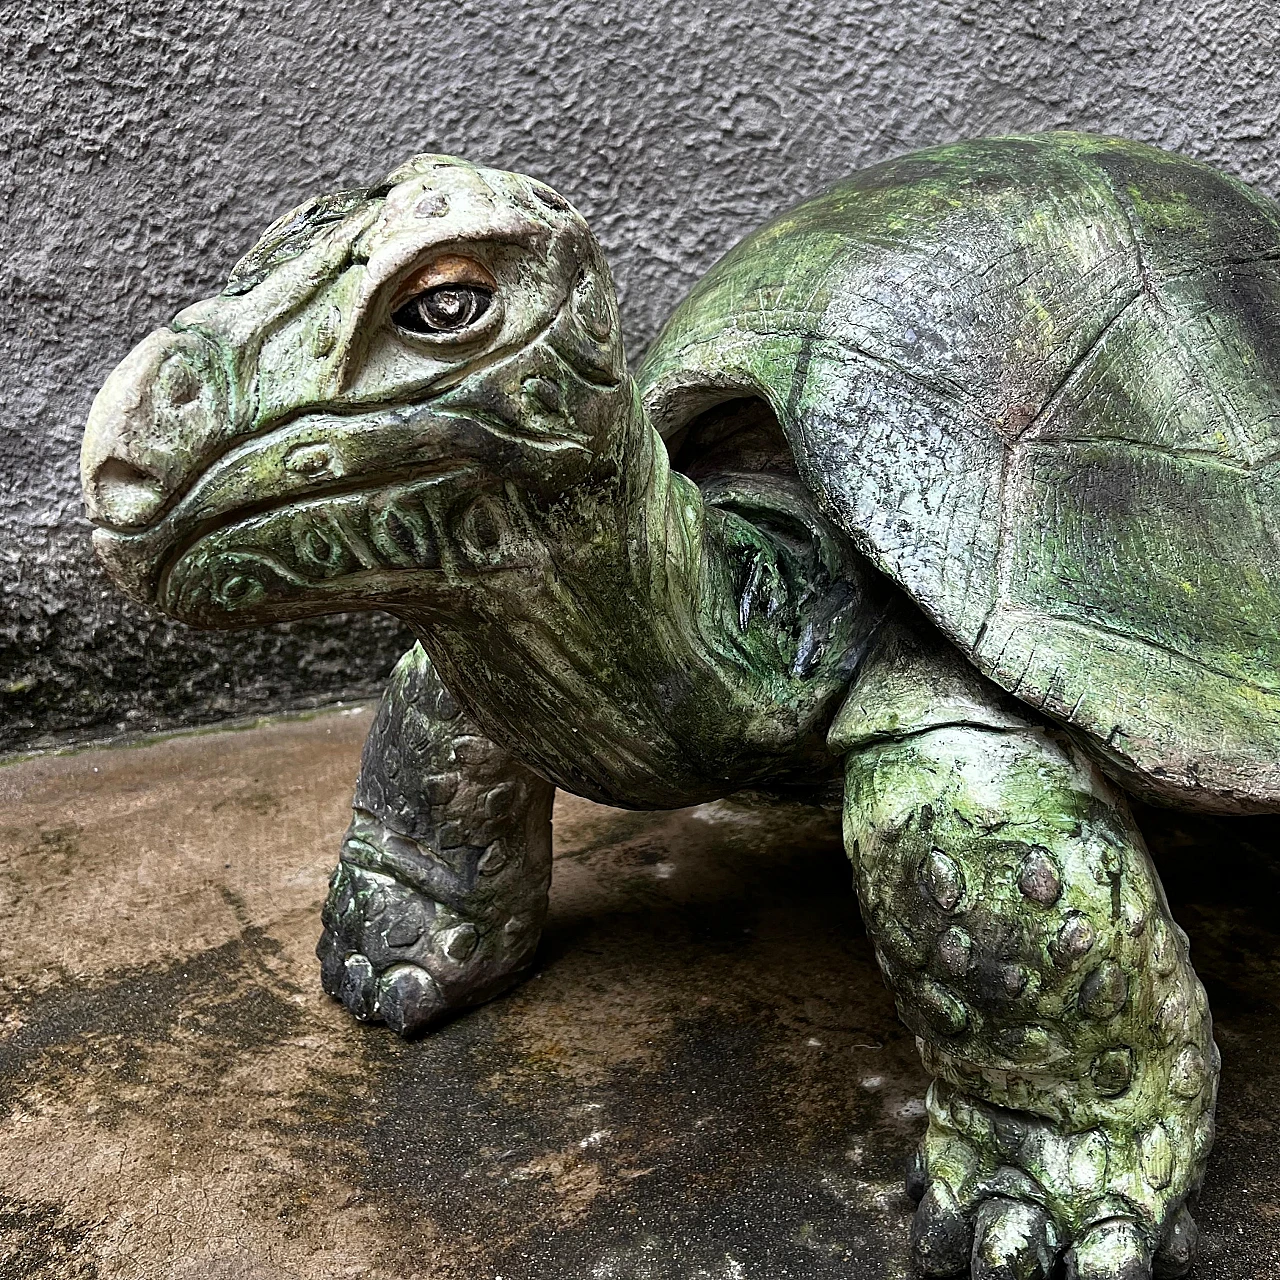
1092,624
1230,414
1180,452
1005,542
1126,213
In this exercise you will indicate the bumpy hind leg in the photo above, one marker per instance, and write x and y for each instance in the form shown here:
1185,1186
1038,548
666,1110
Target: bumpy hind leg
1021,925
440,894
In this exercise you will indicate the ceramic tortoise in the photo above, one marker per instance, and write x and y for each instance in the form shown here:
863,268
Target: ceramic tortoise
954,491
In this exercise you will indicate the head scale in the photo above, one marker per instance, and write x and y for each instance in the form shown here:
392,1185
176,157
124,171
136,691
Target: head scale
393,382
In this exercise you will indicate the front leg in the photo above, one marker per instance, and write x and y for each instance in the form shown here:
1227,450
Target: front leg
1022,927
439,897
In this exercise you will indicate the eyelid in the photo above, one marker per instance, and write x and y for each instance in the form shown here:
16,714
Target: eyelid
445,270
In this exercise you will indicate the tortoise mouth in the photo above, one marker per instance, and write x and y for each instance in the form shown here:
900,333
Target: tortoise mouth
339,548
308,464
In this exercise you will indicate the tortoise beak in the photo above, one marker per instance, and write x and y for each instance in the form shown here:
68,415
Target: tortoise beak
154,415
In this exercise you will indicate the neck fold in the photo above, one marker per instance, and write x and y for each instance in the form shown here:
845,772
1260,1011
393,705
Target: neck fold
652,644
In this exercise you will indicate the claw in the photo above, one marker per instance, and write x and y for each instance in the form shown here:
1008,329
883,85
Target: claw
1177,1249
331,955
941,1234
1111,1250
1013,1240
356,989
408,999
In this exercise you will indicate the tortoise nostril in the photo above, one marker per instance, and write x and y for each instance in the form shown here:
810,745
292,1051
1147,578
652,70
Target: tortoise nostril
179,381
125,495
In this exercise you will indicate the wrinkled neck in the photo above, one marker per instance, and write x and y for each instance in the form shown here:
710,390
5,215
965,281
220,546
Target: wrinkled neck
614,652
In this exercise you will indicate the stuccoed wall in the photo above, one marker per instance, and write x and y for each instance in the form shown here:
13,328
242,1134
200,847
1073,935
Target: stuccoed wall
146,143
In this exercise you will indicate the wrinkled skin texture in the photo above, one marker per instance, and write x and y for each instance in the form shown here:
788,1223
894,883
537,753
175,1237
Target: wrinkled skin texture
871,520
441,890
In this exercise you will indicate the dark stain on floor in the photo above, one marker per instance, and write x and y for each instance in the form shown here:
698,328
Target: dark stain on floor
37,1240
722,1156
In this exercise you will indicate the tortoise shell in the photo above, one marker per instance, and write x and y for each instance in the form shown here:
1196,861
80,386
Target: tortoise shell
1037,380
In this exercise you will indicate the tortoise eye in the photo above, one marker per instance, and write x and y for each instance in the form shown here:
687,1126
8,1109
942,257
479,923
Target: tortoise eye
447,308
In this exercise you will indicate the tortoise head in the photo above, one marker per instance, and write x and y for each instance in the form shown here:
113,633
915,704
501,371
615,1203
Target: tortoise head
394,383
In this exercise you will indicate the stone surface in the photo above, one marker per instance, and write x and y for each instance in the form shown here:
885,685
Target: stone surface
145,146
704,1080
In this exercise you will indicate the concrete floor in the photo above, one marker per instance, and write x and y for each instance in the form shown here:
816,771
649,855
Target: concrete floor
705,1080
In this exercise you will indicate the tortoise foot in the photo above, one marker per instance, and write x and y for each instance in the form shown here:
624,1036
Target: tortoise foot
439,897
391,953
374,949
1005,1195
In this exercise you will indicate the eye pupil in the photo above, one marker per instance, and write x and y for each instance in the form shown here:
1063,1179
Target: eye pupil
444,309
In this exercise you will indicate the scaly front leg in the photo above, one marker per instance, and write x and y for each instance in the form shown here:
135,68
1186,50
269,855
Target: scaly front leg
1021,925
440,894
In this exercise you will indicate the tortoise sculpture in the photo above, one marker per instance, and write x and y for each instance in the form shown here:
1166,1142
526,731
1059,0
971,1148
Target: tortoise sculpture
958,484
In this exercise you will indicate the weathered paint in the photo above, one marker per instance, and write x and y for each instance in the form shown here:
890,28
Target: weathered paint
1022,927
631,636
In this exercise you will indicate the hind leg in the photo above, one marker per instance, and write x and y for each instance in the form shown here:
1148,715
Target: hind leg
439,897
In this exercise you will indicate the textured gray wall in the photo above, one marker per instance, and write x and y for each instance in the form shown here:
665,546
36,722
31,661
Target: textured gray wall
145,144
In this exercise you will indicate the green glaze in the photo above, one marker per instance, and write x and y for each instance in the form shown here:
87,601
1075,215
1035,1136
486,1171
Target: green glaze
504,494
951,488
